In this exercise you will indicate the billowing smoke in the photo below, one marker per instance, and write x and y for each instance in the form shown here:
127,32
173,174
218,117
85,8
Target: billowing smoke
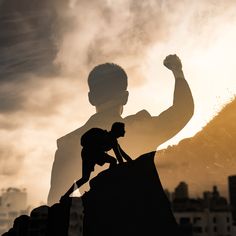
9,157
117,31
124,31
65,39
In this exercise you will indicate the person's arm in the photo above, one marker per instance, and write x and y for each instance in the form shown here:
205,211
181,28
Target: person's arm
68,193
124,154
117,153
172,120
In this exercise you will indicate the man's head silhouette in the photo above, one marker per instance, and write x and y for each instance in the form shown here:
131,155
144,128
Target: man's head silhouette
118,129
107,87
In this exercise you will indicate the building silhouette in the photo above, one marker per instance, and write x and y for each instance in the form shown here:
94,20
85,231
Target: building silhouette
205,223
207,216
232,195
181,191
13,204
14,199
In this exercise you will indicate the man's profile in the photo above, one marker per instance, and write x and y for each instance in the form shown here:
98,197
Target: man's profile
144,133
96,143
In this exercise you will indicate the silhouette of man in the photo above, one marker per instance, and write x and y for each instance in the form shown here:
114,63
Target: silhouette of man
96,142
144,133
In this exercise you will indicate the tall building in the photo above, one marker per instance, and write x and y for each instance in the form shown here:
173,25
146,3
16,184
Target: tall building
215,192
207,196
181,191
168,194
232,194
14,199
13,204
206,223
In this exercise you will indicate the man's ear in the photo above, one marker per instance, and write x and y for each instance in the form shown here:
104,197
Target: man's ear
91,98
124,98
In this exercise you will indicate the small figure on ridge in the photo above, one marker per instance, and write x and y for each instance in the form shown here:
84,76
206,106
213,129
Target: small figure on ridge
96,143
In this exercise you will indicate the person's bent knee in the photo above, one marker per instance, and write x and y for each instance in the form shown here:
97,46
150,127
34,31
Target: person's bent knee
85,178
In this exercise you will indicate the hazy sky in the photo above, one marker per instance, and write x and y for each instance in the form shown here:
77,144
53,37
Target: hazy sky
47,49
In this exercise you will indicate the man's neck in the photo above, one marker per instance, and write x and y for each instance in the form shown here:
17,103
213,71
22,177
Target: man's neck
110,111
108,116
104,119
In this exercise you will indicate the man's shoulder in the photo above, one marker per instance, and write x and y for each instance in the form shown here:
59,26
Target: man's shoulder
139,116
75,136
72,137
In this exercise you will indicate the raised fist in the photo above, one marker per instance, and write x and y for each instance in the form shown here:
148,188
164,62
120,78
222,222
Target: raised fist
172,62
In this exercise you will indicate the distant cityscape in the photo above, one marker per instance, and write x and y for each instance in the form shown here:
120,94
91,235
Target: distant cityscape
13,203
211,215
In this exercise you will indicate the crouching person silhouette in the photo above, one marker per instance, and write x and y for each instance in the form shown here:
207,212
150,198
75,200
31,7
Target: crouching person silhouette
96,143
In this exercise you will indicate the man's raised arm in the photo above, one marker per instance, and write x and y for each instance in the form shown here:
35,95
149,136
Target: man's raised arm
172,120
